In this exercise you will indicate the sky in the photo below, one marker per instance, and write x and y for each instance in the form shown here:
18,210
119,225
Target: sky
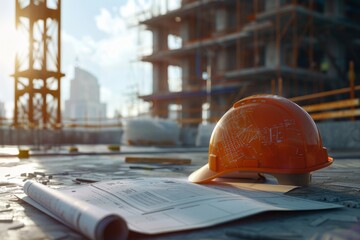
101,35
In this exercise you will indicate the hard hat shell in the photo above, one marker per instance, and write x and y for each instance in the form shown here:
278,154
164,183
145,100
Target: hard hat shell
264,134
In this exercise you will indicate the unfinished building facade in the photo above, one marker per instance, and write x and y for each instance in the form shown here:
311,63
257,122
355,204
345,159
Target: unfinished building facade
232,49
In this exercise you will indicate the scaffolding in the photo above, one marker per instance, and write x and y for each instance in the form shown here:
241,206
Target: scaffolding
288,47
38,69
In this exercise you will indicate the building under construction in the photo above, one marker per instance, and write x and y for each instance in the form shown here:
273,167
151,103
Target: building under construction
232,49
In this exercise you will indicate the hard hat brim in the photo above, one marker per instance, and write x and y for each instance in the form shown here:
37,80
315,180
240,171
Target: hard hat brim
203,175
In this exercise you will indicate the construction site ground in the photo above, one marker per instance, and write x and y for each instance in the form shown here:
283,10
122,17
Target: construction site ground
57,167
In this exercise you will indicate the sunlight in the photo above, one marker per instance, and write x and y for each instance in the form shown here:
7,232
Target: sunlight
13,42
20,43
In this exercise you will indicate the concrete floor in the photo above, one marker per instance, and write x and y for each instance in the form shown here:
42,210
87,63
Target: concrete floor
339,183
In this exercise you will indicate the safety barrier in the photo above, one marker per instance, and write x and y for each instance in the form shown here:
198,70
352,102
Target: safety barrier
344,108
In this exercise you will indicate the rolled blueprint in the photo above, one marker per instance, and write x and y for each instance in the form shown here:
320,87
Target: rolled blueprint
90,220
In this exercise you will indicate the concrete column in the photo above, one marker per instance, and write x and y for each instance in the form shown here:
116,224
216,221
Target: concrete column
216,102
220,59
160,75
190,73
160,109
185,73
160,85
192,108
271,56
220,19
160,39
184,31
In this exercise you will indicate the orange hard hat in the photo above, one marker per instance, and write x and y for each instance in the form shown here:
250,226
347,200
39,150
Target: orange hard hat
265,134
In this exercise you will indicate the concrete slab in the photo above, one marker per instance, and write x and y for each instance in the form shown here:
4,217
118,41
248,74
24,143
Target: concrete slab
337,184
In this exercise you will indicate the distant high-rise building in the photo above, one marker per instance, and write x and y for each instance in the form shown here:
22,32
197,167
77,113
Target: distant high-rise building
84,102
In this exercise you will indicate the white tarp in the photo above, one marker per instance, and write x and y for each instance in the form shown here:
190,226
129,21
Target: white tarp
151,131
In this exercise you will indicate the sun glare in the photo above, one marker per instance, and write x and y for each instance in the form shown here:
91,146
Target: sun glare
20,43
13,42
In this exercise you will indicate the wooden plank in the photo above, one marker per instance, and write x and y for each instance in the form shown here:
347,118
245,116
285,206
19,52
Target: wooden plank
197,120
189,120
75,125
323,94
332,105
157,160
336,114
